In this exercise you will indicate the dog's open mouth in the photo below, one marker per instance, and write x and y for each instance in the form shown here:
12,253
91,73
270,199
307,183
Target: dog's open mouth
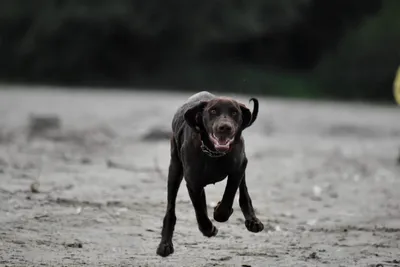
221,143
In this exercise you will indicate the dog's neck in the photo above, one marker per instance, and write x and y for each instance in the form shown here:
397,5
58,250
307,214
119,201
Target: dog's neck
211,153
207,150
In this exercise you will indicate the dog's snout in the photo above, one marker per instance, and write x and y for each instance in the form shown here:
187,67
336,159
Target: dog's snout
224,128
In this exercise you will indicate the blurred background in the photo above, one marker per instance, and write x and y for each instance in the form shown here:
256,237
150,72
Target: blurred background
83,172
343,49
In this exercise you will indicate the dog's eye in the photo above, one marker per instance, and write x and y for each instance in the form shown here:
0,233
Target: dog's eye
234,113
213,111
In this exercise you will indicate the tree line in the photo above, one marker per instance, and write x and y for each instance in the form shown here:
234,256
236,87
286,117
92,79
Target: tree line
310,48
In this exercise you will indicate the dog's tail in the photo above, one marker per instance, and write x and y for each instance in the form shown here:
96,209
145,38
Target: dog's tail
254,114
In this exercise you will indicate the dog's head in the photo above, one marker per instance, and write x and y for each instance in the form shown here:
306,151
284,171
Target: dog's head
223,119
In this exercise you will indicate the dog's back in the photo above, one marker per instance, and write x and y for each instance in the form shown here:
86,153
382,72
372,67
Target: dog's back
203,95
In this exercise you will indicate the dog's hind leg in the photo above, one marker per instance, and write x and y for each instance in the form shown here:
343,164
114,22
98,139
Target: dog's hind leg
253,224
175,175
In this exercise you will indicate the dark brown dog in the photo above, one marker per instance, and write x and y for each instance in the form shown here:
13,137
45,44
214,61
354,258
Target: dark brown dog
207,146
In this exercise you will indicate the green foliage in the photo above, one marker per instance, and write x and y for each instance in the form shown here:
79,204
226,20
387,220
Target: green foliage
364,64
157,43
198,22
101,40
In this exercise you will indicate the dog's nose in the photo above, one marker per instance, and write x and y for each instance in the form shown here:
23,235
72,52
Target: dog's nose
224,128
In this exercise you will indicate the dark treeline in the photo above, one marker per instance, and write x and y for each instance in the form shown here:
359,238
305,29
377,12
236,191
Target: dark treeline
332,48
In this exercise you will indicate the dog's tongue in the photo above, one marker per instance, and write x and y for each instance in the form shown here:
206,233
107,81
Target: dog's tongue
221,144
221,147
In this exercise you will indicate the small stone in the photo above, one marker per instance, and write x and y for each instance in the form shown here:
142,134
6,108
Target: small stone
312,222
35,187
39,124
74,245
313,255
317,191
213,204
316,198
288,215
301,227
79,210
333,194
227,258
86,161
120,211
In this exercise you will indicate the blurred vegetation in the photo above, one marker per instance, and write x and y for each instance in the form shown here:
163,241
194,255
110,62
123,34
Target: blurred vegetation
366,61
299,48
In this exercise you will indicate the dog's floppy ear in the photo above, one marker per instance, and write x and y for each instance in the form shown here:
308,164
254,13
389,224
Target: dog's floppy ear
248,118
193,116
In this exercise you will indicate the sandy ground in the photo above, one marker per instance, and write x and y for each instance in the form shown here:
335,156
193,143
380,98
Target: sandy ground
322,176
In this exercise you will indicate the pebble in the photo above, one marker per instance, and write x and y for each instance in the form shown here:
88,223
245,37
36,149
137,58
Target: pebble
312,222
35,187
213,204
317,191
79,210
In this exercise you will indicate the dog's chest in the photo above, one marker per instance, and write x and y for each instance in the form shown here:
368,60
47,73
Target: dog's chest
202,170
215,171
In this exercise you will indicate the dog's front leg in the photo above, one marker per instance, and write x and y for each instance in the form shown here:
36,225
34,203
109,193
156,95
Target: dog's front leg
253,224
198,197
224,210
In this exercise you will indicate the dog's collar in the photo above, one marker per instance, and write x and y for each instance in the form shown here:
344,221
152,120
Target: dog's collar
214,154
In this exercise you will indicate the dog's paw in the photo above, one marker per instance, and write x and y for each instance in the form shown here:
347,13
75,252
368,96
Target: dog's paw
254,225
211,232
221,215
165,249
